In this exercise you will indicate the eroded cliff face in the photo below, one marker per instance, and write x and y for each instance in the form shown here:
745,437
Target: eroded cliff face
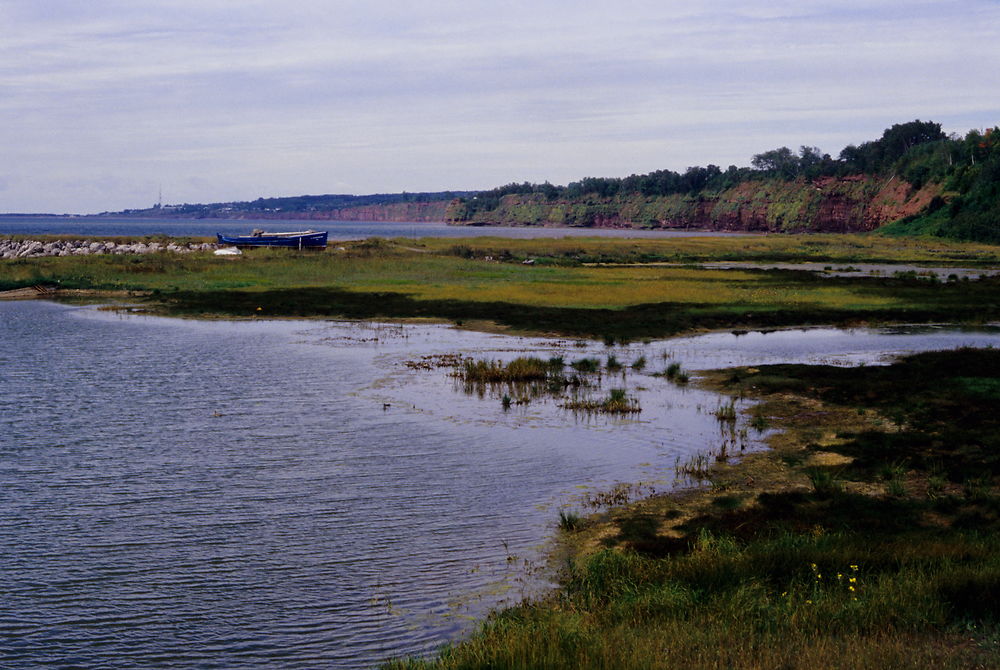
398,212
829,204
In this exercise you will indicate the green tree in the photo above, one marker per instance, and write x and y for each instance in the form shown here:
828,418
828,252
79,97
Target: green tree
780,161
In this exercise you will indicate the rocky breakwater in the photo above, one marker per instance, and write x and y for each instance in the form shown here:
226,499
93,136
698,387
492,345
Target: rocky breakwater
10,248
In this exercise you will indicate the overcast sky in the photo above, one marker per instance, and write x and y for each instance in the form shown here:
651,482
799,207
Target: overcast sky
103,102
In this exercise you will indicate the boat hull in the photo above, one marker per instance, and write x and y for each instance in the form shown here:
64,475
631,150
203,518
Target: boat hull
304,241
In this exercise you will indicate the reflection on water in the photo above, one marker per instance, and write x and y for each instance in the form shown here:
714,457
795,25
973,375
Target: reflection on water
864,269
310,494
894,270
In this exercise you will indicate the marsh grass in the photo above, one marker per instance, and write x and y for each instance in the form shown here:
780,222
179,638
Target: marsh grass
521,369
586,365
891,471
569,521
618,495
698,466
936,484
399,279
675,373
617,402
977,488
834,249
788,601
895,488
759,422
825,482
726,413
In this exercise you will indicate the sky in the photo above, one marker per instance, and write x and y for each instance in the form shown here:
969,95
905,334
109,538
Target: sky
104,103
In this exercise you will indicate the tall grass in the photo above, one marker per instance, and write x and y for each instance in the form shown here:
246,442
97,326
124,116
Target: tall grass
726,413
675,373
569,521
617,402
793,601
521,369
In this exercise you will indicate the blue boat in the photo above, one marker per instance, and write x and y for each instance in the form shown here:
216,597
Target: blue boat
308,239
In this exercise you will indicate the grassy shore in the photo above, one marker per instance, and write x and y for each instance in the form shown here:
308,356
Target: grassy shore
484,280
866,538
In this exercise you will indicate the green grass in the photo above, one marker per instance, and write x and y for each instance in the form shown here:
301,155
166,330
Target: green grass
943,402
407,279
788,601
675,373
840,249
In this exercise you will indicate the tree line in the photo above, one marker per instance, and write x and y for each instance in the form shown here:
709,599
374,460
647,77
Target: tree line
918,151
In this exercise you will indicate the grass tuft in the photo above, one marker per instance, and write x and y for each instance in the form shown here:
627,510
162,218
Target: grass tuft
522,369
569,521
617,402
586,365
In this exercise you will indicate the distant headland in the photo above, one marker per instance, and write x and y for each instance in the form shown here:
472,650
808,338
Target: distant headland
913,180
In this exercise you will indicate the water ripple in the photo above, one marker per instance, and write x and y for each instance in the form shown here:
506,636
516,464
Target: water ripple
182,494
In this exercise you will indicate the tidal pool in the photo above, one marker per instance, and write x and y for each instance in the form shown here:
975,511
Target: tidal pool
302,494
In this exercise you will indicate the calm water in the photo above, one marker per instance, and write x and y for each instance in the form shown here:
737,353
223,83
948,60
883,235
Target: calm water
298,494
339,230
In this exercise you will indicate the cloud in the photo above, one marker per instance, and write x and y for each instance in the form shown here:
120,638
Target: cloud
222,100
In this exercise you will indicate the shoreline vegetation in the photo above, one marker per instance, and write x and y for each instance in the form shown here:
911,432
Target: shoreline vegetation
866,537
599,288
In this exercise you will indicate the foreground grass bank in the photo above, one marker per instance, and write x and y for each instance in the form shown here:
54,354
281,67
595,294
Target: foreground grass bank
867,538
479,281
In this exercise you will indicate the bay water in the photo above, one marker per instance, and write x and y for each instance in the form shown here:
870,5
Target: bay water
303,494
